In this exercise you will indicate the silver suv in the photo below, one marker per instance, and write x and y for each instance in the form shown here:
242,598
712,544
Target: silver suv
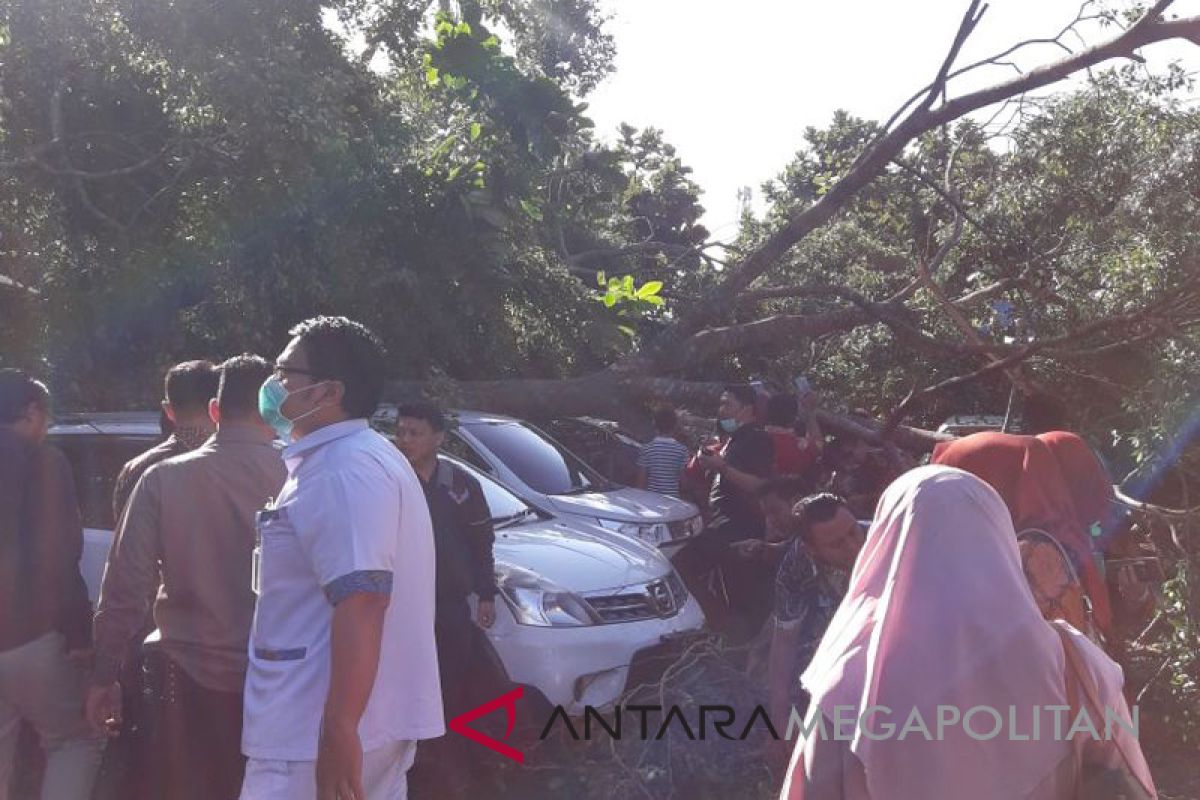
550,477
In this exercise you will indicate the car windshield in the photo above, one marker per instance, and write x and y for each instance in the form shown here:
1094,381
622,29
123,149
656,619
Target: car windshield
543,464
502,504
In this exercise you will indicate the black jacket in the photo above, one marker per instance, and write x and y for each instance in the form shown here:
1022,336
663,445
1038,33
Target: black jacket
462,532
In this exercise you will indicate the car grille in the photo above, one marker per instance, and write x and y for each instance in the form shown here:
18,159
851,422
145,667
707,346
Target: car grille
658,599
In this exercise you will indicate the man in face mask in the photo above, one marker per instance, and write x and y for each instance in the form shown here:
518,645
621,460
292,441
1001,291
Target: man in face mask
739,470
345,579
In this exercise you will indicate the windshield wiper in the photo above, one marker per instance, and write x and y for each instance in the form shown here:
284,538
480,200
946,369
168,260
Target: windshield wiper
501,522
580,490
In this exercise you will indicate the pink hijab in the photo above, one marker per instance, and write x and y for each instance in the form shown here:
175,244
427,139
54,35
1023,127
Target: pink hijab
938,613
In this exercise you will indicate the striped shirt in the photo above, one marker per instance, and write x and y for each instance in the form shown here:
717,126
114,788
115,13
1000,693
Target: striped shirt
663,459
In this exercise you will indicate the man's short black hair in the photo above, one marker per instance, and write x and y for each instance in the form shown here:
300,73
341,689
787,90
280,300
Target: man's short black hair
743,393
426,411
341,349
817,508
782,410
665,419
190,385
241,377
785,487
17,392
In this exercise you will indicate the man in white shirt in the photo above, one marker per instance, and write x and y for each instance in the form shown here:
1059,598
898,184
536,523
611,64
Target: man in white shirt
343,676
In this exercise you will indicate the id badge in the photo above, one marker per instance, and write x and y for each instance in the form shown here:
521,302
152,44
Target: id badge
256,567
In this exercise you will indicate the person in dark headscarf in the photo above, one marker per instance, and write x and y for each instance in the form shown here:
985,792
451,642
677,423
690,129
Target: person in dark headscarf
1023,470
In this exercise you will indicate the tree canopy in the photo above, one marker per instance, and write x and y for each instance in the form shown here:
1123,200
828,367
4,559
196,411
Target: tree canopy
190,179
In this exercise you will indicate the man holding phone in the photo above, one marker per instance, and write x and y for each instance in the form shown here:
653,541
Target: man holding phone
739,469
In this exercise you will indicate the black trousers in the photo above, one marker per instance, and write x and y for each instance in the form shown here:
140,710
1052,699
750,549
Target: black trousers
192,744
458,655
740,612
447,767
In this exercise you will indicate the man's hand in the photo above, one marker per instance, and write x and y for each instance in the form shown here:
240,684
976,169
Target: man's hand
485,614
102,707
1130,587
712,463
748,549
339,762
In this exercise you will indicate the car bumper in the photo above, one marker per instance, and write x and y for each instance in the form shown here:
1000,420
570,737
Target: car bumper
585,666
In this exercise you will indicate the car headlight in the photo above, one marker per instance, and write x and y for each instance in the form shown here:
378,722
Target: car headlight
537,601
654,533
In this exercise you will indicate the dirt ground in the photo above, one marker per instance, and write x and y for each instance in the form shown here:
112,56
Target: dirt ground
674,766
693,770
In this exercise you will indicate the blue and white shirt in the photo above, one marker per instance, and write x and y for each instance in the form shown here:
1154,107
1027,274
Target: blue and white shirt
350,518
663,459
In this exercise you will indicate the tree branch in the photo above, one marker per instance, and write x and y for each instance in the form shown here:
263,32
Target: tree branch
874,159
612,394
577,262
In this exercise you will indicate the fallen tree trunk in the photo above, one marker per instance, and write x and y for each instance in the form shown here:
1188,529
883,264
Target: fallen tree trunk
624,397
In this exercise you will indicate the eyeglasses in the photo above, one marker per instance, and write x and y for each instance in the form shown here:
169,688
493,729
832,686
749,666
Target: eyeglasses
280,369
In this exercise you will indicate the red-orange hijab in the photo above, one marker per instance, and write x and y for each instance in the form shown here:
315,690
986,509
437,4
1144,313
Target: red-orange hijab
1086,478
1024,472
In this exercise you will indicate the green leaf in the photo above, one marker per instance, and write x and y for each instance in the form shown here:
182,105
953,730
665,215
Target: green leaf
628,331
476,129
653,300
432,76
628,286
649,289
532,210
601,279
610,300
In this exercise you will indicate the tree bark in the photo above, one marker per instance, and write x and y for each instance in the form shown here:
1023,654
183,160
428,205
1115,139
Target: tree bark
622,397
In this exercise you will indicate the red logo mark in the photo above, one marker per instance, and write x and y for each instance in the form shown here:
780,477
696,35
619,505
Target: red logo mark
460,724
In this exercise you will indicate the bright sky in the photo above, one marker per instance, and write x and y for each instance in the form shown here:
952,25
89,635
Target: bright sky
734,84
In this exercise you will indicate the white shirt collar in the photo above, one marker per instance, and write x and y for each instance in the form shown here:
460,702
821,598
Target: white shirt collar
322,436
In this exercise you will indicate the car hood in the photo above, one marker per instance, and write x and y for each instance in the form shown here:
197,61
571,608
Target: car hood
579,558
624,504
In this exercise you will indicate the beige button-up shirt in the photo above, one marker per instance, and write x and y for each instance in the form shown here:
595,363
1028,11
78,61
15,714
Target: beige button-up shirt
189,531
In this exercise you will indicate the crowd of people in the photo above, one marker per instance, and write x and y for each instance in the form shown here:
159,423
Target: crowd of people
977,581
254,592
